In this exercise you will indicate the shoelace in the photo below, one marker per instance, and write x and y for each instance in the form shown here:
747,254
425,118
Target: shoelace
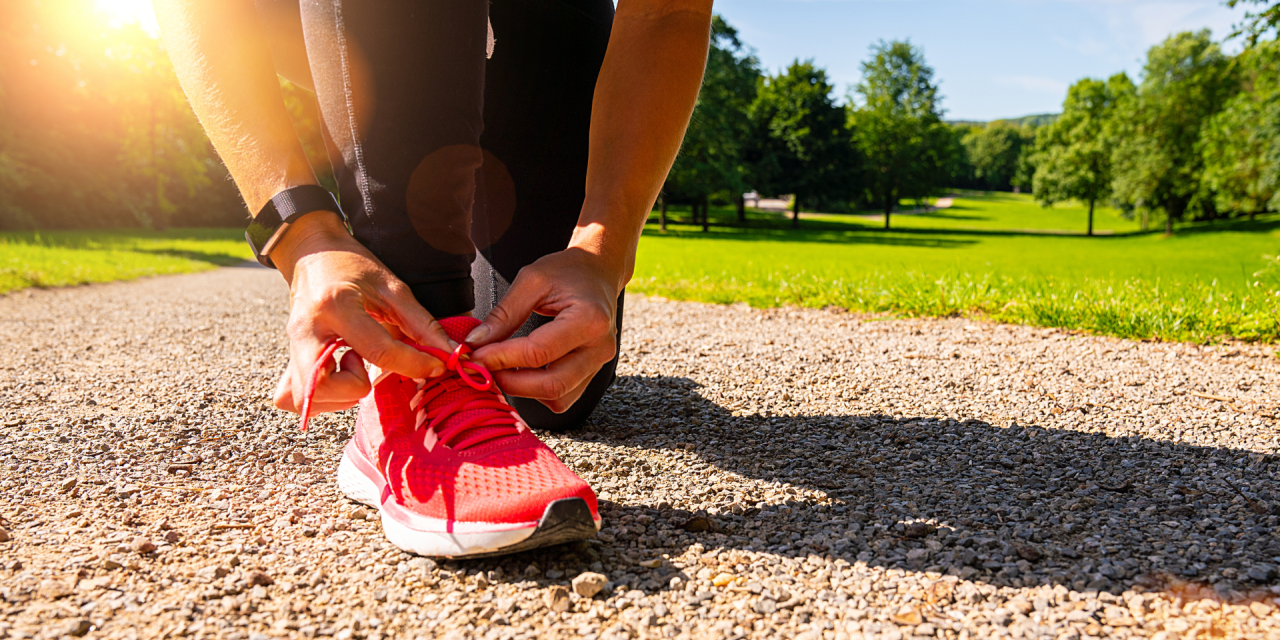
489,410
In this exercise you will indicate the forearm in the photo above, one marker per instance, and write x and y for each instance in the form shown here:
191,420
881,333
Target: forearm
644,97
220,53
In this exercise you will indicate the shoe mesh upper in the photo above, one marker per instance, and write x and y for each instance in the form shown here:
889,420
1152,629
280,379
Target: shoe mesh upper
510,478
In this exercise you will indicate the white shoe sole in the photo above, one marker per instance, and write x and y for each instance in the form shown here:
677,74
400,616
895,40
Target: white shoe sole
562,521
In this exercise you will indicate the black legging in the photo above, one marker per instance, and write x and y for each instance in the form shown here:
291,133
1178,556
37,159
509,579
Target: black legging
439,152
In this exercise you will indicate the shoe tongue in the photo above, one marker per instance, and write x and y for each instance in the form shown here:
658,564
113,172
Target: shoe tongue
458,327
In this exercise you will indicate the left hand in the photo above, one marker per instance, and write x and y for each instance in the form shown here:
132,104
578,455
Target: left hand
555,363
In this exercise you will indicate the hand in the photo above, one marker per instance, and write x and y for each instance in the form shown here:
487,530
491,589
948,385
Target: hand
556,362
338,289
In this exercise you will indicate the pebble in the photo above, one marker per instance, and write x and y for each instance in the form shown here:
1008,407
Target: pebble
142,545
54,588
588,583
557,598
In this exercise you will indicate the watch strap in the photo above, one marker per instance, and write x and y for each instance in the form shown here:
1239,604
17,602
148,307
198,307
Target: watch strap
284,209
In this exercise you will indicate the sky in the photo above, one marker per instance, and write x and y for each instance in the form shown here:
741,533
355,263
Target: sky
992,58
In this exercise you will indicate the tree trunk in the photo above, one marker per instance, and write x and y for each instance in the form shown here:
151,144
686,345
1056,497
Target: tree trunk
1168,225
742,210
795,212
662,213
706,215
1146,220
1090,231
888,209
158,221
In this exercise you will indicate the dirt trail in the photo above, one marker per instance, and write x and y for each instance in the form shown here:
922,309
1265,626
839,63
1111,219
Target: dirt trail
764,474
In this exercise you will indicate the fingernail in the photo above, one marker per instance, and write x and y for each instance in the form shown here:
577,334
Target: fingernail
478,334
435,372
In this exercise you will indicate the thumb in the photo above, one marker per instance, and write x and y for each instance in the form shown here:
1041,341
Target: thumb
510,313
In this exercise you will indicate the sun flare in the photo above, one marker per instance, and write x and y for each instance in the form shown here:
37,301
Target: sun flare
130,11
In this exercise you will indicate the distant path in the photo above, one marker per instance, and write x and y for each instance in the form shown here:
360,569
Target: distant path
775,205
1075,480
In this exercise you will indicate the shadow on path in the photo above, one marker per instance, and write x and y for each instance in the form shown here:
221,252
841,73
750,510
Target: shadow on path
1018,507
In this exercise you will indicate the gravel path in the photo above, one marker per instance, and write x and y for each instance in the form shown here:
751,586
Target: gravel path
779,473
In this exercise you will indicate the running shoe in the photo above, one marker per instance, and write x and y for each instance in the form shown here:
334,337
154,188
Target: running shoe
454,470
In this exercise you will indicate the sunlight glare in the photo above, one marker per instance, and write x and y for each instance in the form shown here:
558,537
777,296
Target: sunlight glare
121,12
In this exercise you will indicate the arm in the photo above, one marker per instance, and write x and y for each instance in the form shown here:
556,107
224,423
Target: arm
337,288
644,97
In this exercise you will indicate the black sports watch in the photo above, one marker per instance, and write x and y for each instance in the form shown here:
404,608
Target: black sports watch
282,210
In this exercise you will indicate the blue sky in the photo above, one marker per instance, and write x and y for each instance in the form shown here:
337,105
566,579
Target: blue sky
993,58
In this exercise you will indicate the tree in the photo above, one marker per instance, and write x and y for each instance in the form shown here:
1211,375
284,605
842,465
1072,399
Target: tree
712,159
1157,162
1074,153
1240,145
995,152
1256,25
898,126
94,129
799,136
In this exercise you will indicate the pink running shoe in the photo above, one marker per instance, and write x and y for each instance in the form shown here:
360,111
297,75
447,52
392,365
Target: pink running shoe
453,469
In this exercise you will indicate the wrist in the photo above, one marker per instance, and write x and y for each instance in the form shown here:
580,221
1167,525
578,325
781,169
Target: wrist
306,235
611,256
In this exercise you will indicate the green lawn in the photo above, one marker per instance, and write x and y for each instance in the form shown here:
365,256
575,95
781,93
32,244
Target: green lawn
64,258
1000,256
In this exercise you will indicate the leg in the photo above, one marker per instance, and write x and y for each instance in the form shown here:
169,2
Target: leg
401,90
538,91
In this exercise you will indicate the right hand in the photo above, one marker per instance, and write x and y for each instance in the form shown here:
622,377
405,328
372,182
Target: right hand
338,289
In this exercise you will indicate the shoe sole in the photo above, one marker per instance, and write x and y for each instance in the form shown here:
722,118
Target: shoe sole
562,521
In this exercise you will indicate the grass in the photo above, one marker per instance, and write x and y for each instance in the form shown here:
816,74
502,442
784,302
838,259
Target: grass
66,258
999,256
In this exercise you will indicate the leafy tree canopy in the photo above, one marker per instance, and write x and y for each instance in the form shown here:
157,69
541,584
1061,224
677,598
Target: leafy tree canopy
1256,23
898,126
1186,80
1240,145
996,150
94,129
800,137
1074,153
711,159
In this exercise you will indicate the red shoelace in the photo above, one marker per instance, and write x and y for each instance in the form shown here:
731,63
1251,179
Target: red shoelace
489,418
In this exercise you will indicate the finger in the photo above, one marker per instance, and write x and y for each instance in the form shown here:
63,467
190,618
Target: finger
566,402
559,380
415,321
577,325
524,295
283,398
372,342
335,391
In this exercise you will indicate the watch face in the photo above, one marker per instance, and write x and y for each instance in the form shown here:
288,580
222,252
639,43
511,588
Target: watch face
261,231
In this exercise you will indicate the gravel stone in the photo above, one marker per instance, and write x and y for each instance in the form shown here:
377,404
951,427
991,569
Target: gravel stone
142,545
557,599
589,583
842,475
